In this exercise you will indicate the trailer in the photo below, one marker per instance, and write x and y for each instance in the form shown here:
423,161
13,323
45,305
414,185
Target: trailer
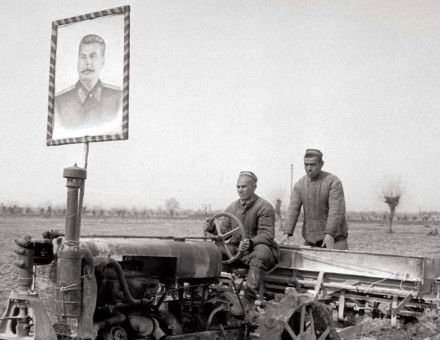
357,284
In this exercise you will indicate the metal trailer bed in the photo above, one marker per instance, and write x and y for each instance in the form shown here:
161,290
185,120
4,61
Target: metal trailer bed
356,282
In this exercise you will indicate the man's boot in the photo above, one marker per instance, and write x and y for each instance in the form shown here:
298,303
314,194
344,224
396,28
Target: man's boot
254,286
252,290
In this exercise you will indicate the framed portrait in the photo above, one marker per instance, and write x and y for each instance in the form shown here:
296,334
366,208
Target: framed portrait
89,78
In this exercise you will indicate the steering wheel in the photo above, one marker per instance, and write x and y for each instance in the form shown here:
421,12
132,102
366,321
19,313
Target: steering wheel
222,237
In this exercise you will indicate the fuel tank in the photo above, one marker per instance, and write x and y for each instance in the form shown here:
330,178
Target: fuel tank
173,258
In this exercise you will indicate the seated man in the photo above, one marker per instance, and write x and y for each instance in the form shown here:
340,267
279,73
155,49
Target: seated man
260,251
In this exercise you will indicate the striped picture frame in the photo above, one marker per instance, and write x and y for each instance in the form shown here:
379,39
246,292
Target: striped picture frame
122,131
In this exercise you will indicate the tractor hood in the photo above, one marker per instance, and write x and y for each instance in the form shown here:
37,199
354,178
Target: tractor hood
182,258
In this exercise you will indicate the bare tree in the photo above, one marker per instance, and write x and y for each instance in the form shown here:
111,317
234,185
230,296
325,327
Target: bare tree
135,212
278,196
391,193
172,205
205,210
144,213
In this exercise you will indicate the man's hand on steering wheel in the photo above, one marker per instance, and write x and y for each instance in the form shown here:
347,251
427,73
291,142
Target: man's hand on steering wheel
245,246
208,226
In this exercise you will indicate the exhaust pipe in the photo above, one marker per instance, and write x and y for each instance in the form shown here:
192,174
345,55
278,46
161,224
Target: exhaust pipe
69,295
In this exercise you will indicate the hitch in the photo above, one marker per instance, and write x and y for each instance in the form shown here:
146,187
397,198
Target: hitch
25,315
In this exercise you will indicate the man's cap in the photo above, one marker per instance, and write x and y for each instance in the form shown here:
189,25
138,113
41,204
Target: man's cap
313,153
249,174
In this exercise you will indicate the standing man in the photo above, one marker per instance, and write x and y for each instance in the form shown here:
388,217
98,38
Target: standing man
89,103
322,196
258,217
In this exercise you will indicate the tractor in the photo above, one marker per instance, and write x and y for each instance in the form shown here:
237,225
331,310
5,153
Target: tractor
116,287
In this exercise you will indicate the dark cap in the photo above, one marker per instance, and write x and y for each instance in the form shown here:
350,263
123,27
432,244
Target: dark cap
249,174
313,153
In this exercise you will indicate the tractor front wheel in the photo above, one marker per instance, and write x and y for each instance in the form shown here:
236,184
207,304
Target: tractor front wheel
114,333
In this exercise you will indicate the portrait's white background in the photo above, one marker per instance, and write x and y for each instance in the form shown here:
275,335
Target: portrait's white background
111,29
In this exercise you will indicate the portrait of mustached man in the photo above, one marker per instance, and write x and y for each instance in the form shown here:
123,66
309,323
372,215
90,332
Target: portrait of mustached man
89,102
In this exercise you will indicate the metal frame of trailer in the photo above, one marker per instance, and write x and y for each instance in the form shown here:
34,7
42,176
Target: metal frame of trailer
400,286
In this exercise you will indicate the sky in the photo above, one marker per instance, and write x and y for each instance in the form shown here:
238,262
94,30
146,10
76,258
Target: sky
217,87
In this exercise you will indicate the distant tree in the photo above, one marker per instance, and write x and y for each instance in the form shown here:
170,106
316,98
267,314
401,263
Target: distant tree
18,210
14,210
144,213
121,212
29,211
391,193
135,212
205,210
49,212
58,211
425,218
172,206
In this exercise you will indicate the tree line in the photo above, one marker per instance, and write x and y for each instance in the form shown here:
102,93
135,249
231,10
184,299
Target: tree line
172,209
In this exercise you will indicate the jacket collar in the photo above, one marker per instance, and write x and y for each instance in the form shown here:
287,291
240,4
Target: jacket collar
247,204
321,176
317,178
84,93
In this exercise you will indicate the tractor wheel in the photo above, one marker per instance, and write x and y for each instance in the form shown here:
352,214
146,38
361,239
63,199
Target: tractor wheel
311,321
114,333
296,317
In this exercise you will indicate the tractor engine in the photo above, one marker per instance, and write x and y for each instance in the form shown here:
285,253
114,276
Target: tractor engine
115,287
149,287
128,288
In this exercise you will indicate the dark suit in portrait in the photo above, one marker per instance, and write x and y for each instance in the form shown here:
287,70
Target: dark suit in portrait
78,108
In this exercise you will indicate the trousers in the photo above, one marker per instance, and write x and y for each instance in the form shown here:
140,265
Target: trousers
259,260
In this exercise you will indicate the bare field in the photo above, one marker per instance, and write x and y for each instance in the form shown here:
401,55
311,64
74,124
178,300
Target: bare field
406,240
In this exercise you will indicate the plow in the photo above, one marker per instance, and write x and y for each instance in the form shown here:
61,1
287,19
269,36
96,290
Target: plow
117,287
